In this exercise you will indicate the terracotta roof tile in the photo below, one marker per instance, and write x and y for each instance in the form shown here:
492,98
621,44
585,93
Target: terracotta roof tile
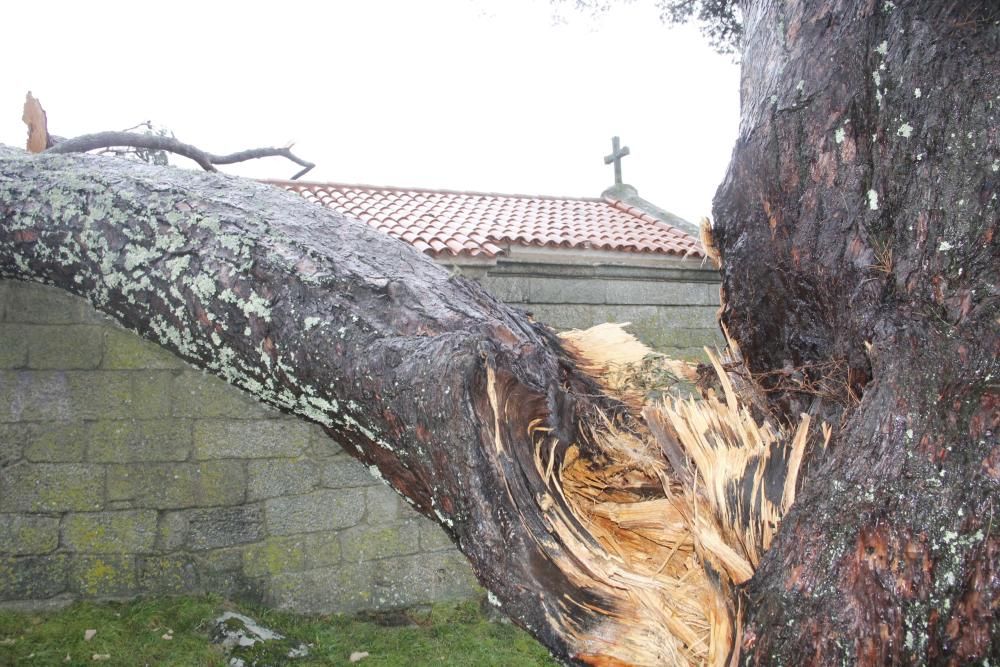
440,222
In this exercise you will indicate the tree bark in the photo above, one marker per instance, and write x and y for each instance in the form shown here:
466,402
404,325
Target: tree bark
858,229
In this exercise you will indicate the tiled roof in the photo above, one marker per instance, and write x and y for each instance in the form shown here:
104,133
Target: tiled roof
443,223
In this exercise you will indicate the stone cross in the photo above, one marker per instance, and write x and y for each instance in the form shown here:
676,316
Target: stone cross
617,153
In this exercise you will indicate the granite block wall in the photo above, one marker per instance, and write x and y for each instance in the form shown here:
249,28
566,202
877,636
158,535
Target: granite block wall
673,310
124,471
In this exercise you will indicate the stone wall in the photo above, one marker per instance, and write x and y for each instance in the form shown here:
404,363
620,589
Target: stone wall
672,309
124,471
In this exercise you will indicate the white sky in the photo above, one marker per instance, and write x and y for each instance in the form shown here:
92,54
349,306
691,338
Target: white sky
457,94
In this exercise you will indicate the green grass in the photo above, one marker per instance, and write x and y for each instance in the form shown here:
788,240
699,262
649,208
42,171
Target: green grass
132,635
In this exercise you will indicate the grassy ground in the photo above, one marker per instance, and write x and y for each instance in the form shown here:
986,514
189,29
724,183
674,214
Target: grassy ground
132,634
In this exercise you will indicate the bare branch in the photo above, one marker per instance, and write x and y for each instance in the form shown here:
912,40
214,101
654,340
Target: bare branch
206,161
255,153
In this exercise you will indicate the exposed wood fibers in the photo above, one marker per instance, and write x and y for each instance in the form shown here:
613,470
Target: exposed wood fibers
669,542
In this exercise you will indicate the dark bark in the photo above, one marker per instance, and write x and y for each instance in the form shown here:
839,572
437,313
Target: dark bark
858,230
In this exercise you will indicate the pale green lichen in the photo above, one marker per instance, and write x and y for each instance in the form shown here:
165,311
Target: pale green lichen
873,200
178,265
203,286
905,130
348,420
230,242
138,256
883,48
312,322
209,222
256,305
839,135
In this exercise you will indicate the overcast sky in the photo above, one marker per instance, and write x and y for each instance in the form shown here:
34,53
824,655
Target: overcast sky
501,96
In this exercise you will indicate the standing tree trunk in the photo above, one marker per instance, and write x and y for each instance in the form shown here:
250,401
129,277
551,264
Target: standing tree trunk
858,229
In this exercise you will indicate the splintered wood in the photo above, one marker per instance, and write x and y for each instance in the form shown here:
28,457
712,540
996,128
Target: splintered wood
34,117
659,506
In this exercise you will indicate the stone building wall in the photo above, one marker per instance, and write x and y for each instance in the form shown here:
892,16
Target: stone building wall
124,471
672,309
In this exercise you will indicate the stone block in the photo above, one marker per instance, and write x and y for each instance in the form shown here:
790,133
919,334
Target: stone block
96,394
220,571
34,396
563,290
124,350
227,559
151,394
33,577
562,317
224,527
103,575
294,553
406,581
432,536
171,533
167,575
250,438
27,534
14,345
344,472
313,512
678,343
510,289
683,338
41,395
343,588
382,504
130,531
177,485
197,394
280,477
322,446
65,347
658,292
686,317
51,487
55,442
362,543
125,441
13,438
33,303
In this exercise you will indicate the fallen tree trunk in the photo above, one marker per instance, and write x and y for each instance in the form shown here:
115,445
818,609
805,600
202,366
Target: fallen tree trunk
858,227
